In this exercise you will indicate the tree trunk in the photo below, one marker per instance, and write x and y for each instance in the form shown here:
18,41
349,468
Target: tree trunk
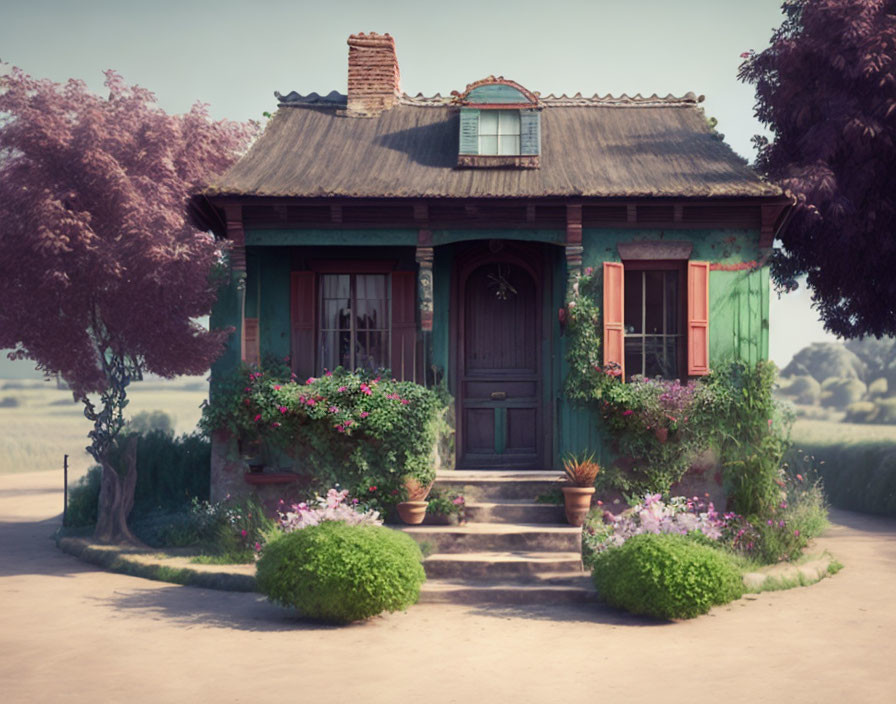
117,499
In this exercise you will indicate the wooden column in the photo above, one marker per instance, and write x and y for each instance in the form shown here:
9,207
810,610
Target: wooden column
233,215
574,247
424,256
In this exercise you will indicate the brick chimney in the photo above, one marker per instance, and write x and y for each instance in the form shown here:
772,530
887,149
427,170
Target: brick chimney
373,78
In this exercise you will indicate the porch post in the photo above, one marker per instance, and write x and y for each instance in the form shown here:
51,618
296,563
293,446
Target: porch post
573,244
424,257
233,215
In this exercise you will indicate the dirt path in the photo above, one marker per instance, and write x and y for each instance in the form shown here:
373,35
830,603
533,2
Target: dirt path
70,633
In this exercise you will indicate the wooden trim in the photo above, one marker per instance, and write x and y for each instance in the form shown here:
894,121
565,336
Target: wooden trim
352,266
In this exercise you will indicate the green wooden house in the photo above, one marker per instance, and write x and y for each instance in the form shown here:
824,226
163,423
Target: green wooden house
437,236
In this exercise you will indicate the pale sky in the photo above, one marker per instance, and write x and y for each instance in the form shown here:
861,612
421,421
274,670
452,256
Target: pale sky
234,55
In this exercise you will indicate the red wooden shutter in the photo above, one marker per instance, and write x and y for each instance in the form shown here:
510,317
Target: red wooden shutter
250,341
302,313
698,318
404,325
614,307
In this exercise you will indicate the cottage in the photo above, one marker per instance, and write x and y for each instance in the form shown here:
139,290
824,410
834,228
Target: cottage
437,236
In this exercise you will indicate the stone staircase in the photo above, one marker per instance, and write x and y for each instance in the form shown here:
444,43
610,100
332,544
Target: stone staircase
511,550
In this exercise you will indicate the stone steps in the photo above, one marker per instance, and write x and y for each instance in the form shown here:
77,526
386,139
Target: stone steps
493,565
498,485
514,511
502,537
512,551
574,590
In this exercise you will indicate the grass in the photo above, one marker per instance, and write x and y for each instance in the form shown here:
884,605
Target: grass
828,432
46,424
856,462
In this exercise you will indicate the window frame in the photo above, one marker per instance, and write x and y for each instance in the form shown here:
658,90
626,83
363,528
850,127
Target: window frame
498,133
352,268
632,266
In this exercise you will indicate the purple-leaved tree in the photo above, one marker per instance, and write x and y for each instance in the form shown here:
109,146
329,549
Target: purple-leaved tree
102,275
826,88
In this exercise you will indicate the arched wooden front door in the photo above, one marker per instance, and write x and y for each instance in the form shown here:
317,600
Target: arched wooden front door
499,361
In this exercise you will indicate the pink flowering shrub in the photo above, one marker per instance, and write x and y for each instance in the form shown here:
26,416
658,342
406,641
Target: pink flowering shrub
680,516
356,429
335,506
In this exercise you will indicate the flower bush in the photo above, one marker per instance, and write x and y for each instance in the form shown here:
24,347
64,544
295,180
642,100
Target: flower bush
342,573
335,506
680,516
666,576
360,430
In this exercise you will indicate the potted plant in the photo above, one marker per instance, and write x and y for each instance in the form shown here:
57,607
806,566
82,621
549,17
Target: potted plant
445,508
413,509
579,488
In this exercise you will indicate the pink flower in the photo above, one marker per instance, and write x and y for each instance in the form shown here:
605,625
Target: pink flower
257,547
746,54
404,402
796,533
799,477
333,409
283,409
276,387
365,389
247,389
328,373
275,424
364,414
588,271
310,380
339,428
258,417
311,402
341,389
628,412
244,533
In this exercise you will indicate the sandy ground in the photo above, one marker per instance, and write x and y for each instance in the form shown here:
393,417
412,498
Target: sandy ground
71,633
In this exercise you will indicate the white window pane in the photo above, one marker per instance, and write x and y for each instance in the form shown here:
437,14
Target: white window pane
488,145
509,144
488,122
508,122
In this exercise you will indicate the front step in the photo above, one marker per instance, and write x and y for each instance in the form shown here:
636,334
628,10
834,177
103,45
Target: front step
494,565
574,590
514,511
490,485
497,537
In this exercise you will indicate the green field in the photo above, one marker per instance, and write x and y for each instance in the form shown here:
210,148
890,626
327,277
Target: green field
45,423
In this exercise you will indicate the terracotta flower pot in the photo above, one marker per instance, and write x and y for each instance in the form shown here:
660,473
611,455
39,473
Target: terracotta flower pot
412,512
578,503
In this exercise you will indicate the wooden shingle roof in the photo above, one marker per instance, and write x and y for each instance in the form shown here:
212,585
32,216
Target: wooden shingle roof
591,147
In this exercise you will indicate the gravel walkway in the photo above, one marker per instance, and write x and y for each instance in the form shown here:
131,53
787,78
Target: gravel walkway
69,632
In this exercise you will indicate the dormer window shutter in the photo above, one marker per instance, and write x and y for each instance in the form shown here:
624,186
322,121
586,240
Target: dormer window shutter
530,132
469,131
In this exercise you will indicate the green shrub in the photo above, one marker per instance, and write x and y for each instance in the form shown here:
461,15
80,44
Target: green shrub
356,429
83,499
171,472
341,573
666,576
804,389
839,393
861,412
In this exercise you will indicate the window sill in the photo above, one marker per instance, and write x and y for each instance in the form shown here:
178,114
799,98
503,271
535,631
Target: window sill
481,161
267,478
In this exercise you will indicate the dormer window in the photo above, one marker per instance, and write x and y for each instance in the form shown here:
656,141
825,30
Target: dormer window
500,125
